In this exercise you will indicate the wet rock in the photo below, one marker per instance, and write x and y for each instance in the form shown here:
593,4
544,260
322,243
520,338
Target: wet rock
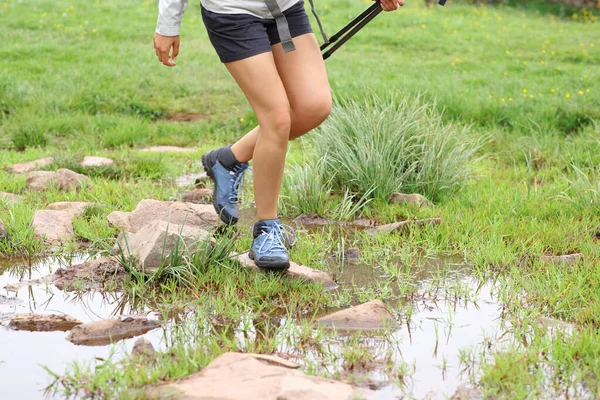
371,316
414,199
100,274
15,287
564,260
52,226
43,323
176,212
30,165
197,196
234,376
102,333
75,208
296,271
155,242
555,323
3,231
403,225
94,162
119,219
351,254
362,223
170,149
143,349
63,179
465,392
10,198
311,220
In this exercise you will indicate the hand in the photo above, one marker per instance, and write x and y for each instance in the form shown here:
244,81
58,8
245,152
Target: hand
391,5
163,45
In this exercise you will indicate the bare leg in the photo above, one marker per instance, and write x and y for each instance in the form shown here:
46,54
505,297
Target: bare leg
304,78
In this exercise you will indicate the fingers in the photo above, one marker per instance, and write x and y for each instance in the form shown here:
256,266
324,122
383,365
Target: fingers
391,5
162,48
175,49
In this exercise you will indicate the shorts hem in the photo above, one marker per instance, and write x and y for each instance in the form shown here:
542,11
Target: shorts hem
296,33
227,58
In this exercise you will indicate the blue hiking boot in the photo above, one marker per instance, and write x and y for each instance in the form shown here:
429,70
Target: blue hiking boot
227,174
268,249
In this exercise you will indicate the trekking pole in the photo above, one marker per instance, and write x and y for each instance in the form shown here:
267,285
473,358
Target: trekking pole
346,33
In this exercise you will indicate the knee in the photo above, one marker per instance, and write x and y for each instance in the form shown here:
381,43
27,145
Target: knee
315,112
277,124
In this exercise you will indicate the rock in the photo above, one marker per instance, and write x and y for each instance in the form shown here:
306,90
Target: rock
197,196
3,231
465,392
564,260
371,316
104,332
362,223
75,208
63,179
403,225
43,323
176,212
555,323
351,254
29,166
296,271
414,199
311,220
119,219
53,227
170,149
100,274
143,349
234,376
155,242
93,161
10,198
197,179
11,301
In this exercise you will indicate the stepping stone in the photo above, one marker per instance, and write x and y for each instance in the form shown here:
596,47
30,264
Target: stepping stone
120,220
30,165
234,376
104,332
371,316
53,227
170,149
63,179
414,199
295,271
43,323
10,198
75,208
93,161
403,225
176,212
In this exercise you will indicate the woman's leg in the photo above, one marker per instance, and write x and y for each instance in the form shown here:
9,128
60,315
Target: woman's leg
302,73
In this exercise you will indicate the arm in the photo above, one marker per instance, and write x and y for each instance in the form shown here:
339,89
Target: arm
166,37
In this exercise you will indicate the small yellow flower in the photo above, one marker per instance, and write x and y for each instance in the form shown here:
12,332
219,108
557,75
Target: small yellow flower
531,96
94,31
502,100
553,53
587,90
524,90
241,119
580,92
568,96
510,99
585,77
491,97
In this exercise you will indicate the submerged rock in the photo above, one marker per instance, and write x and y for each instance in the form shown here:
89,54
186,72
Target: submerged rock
143,349
93,161
75,208
63,179
176,212
43,323
351,254
155,242
100,274
563,260
198,196
53,226
170,149
311,220
403,225
102,333
10,198
465,392
414,199
30,165
296,271
371,316
234,376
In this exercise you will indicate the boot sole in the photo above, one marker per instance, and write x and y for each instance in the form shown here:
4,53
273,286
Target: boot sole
223,215
269,265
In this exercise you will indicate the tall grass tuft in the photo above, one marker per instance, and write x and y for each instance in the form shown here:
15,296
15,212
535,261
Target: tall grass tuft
393,143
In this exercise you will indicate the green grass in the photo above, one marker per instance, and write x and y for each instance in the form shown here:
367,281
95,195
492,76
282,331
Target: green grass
79,78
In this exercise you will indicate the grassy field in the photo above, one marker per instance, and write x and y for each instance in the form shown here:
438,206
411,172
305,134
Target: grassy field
522,84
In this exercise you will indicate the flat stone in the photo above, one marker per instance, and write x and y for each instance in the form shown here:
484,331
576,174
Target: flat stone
119,219
295,271
465,392
63,179
311,220
403,225
93,162
155,241
176,212
143,348
563,260
54,227
414,199
170,149
30,165
43,323
10,198
75,208
3,231
371,316
198,196
40,180
234,376
104,332
100,274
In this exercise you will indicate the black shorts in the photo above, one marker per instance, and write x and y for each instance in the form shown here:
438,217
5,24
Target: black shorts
239,36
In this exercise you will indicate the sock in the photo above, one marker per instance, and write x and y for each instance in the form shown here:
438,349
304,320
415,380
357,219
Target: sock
226,158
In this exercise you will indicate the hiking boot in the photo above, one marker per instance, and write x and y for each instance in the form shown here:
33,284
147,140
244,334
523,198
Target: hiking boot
227,174
268,249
